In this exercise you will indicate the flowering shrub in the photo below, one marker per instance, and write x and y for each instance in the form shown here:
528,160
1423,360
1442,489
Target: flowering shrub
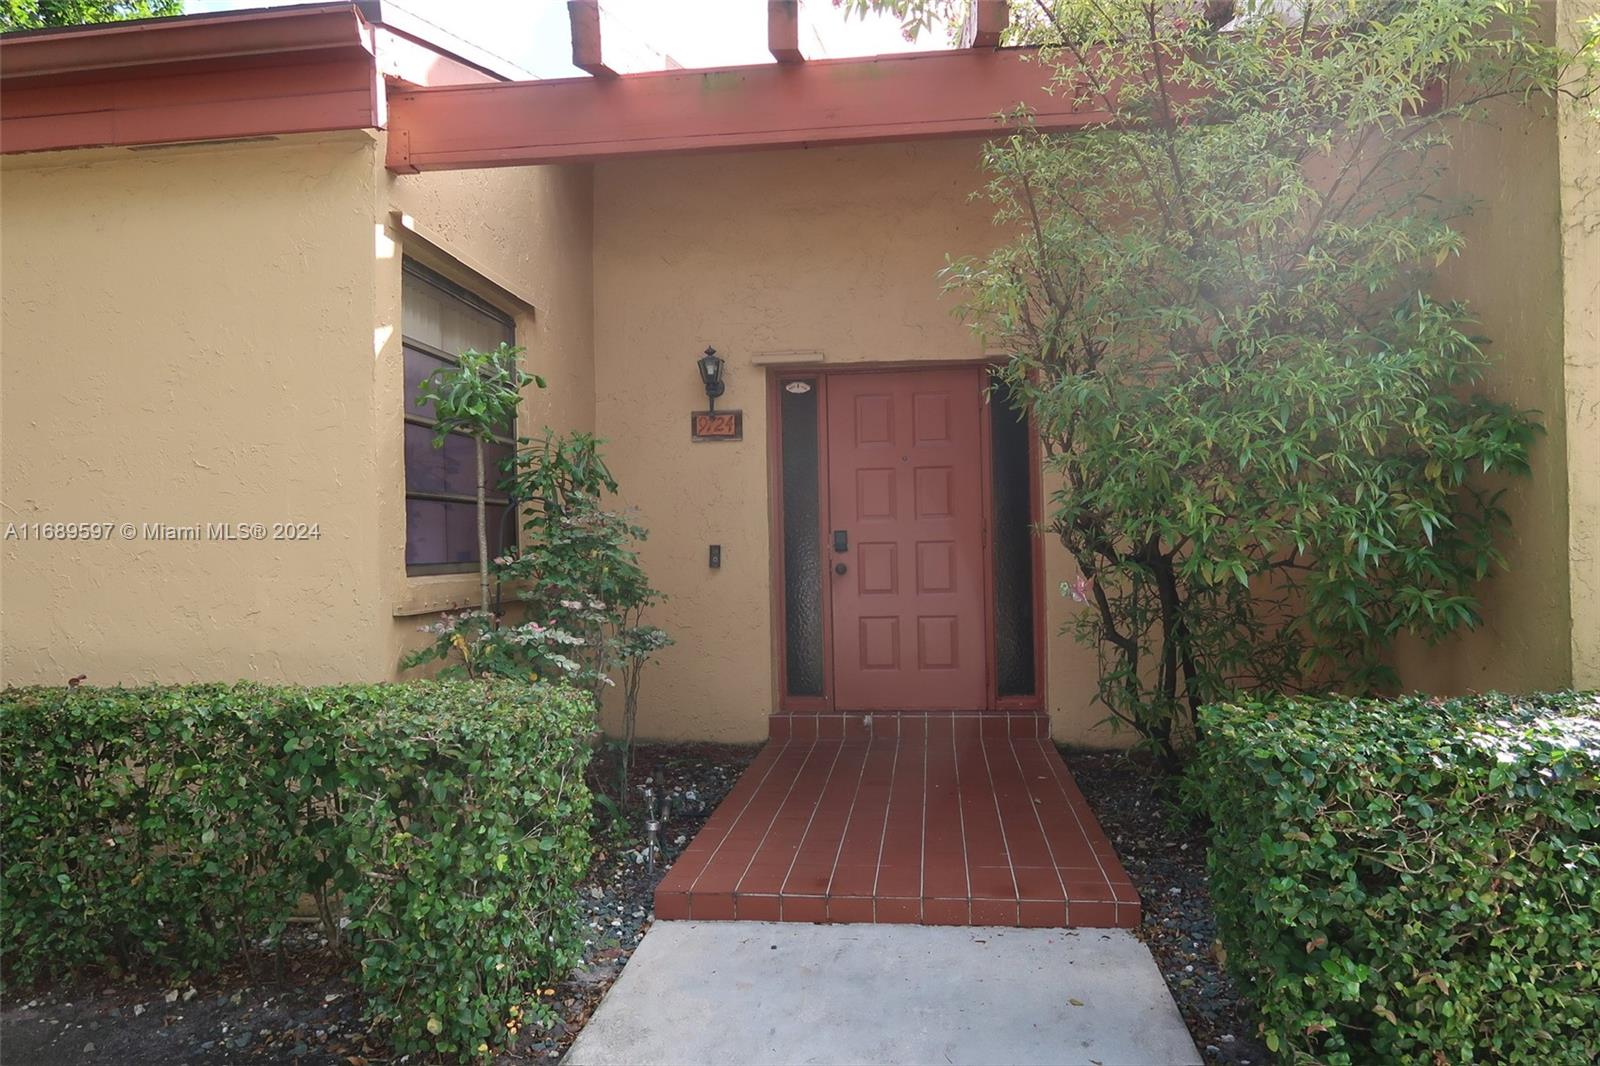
473,645
579,565
578,578
441,826
1410,881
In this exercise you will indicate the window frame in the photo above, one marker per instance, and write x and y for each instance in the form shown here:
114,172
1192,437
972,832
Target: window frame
411,417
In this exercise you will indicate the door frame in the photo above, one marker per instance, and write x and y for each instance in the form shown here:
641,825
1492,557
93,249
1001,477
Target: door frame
777,377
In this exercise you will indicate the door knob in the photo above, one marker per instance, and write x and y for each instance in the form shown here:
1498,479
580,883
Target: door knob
839,568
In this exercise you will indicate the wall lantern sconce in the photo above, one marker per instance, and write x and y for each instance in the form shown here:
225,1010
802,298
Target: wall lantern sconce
712,424
711,365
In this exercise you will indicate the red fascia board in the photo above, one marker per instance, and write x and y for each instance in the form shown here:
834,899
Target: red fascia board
186,39
313,68
842,101
237,99
159,81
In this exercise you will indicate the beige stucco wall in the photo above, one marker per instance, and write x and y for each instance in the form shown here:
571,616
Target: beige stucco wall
1510,275
187,338
211,334
835,251
203,335
528,229
1579,148
1531,273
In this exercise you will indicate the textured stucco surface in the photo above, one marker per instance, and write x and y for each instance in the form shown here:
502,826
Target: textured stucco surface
1580,245
1531,273
187,338
212,334
1510,276
835,251
531,229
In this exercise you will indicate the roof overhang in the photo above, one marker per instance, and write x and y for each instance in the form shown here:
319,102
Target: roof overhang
301,69
778,105
350,65
145,43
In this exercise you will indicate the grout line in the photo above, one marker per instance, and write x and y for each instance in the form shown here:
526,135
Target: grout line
774,817
816,805
922,858
778,810
844,831
1058,768
1055,863
777,757
999,815
961,816
883,834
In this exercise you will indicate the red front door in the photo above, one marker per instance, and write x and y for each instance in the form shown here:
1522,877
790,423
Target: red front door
905,504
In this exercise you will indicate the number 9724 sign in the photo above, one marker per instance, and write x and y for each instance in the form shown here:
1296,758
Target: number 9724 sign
716,425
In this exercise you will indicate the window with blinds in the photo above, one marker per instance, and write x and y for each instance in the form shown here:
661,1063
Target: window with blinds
440,319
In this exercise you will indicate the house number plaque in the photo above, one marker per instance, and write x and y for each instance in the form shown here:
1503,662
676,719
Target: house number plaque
716,425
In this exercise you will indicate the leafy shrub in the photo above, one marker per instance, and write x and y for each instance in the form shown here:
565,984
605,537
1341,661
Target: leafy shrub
476,645
1415,880
1275,452
441,826
581,587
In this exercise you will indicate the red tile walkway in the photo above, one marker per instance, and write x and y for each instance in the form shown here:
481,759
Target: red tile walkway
939,819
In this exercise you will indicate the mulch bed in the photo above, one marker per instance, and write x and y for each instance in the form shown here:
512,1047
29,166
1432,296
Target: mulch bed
1167,860
310,1014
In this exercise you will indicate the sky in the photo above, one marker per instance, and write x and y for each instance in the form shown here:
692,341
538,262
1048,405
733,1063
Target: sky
533,34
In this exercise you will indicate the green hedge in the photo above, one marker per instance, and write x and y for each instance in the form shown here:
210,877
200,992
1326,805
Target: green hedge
442,826
1410,881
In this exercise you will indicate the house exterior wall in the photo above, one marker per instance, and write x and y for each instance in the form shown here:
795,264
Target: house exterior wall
187,338
837,252
530,229
834,251
211,334
1510,275
1578,131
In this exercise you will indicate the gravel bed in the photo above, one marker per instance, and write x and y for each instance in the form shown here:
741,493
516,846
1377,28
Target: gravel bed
302,1009
1166,859
618,897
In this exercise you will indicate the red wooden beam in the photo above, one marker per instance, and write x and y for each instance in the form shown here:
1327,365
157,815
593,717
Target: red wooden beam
587,54
986,21
840,101
783,30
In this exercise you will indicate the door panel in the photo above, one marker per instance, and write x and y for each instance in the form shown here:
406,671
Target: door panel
905,487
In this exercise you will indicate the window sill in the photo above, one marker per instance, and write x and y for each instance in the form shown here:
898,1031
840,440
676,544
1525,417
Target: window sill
433,593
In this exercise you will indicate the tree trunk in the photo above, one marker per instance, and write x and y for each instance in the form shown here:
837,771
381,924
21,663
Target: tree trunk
483,533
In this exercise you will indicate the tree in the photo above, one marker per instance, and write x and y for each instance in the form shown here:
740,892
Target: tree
1270,453
39,14
478,397
579,569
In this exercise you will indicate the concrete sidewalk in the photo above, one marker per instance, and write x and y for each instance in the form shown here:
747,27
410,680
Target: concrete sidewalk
758,993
